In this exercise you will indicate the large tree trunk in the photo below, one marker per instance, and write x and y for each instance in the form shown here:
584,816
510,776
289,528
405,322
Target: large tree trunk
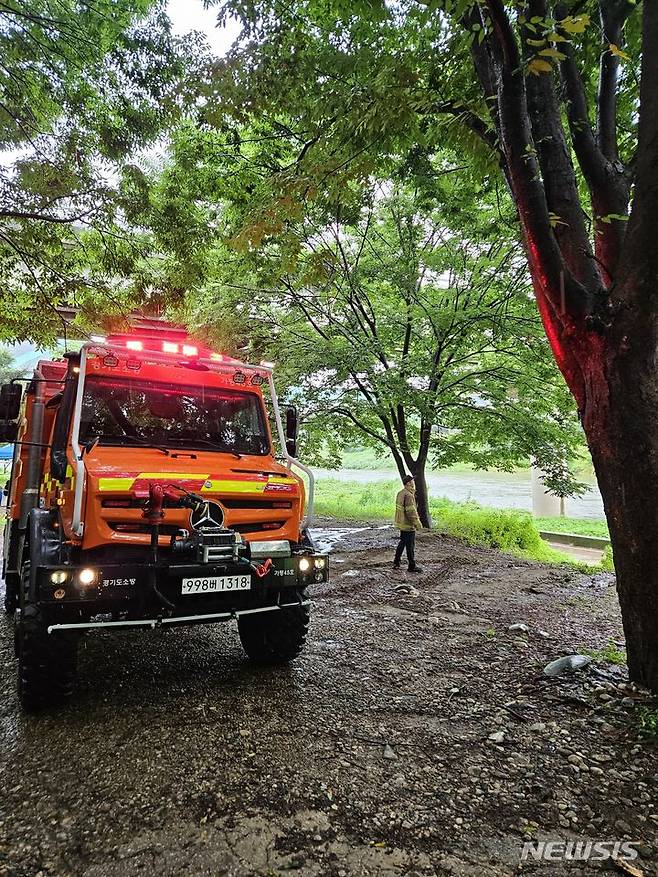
422,496
599,309
622,430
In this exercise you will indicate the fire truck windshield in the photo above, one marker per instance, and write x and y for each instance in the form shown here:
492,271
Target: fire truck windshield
134,412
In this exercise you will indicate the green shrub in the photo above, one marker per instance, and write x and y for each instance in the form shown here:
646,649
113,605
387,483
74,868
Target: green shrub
498,528
648,722
608,562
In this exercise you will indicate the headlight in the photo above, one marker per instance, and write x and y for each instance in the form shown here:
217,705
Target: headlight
304,564
320,562
87,576
58,577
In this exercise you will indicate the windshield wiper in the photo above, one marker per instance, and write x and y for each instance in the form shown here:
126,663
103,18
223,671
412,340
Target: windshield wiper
131,439
206,444
147,443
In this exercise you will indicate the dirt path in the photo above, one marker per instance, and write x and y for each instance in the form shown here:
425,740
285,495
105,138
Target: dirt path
371,755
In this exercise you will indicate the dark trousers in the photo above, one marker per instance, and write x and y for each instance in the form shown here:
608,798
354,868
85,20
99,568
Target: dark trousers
408,542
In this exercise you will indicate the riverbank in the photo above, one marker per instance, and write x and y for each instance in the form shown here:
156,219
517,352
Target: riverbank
514,531
503,490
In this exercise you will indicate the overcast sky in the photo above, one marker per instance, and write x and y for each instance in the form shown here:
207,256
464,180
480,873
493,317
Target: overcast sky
187,15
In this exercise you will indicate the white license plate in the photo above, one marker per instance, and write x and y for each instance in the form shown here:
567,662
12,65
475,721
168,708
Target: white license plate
215,584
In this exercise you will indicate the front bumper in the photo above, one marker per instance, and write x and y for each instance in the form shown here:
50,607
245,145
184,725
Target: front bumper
154,623
150,595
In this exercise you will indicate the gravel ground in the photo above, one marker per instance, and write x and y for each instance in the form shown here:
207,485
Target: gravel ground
415,736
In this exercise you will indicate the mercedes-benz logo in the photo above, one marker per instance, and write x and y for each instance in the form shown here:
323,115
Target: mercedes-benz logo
207,515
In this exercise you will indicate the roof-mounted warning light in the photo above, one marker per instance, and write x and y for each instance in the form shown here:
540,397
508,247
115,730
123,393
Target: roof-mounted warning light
183,351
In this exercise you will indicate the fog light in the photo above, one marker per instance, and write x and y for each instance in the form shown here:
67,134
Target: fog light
87,576
320,562
58,577
304,564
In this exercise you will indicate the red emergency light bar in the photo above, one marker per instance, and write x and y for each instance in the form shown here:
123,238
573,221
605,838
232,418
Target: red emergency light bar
180,348
162,349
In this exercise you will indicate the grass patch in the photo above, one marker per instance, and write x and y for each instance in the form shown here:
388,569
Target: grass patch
647,719
358,457
352,500
607,561
611,654
364,458
509,530
579,526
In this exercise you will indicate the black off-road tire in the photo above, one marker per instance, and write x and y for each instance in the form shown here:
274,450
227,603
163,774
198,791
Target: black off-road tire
276,637
47,663
10,601
47,666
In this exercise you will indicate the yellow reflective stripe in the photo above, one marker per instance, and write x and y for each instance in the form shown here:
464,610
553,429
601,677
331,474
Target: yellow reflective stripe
234,487
69,471
115,483
176,476
224,485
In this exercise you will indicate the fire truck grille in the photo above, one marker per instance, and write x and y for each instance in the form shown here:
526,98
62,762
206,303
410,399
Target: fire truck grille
133,503
170,529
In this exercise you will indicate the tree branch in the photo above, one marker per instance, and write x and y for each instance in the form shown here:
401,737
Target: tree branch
639,266
40,217
563,302
613,15
560,184
608,185
472,121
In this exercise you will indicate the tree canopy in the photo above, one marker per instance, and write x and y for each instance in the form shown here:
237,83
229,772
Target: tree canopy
545,93
83,88
389,325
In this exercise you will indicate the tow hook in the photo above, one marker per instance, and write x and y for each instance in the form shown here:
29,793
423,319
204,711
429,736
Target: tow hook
263,569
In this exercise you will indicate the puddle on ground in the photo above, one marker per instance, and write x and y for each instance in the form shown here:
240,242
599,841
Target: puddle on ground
326,538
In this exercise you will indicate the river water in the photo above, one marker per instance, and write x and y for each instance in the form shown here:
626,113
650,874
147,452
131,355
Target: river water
508,490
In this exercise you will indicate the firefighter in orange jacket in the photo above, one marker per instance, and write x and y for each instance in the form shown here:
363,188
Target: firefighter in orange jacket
407,522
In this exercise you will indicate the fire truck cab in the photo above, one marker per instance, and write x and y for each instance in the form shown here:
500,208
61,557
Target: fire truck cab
145,492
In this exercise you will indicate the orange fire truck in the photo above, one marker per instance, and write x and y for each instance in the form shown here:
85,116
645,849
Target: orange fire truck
145,492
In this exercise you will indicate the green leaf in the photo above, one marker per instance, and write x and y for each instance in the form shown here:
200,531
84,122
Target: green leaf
537,66
553,53
574,24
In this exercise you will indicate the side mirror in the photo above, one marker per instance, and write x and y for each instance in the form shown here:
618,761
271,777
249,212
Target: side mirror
291,430
10,409
10,401
8,431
